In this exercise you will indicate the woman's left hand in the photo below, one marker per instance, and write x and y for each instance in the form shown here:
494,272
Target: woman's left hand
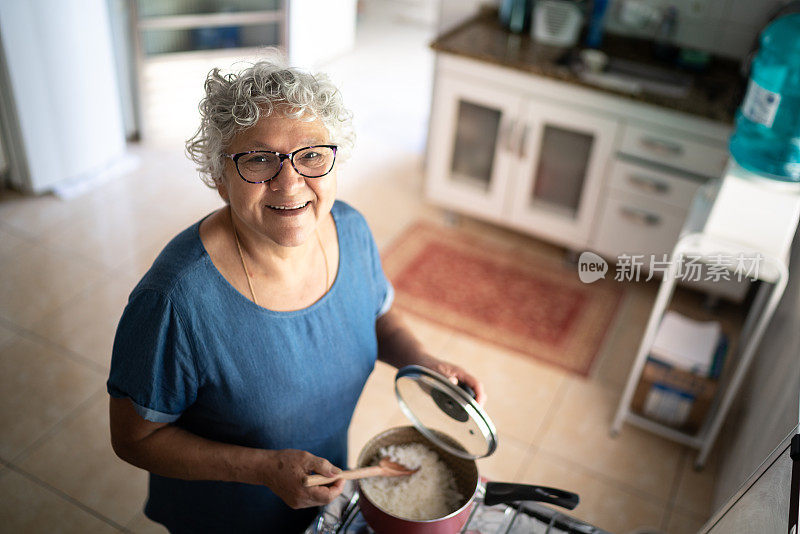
398,347
457,374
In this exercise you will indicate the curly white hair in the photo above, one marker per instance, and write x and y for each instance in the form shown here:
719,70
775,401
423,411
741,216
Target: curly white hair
236,101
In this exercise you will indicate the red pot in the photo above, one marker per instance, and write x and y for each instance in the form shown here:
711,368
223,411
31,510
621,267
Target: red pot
467,482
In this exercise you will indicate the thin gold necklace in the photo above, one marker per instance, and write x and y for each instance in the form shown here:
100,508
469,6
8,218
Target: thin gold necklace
247,274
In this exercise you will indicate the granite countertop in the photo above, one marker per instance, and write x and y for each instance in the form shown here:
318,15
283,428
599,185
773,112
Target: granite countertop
715,93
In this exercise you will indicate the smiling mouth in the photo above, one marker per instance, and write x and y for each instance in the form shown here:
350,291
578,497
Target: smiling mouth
289,208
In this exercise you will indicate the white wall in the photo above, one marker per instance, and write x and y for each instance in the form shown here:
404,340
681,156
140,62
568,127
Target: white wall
724,27
320,30
454,12
767,407
64,88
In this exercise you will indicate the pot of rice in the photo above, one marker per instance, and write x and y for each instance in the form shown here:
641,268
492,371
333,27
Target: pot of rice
450,431
435,499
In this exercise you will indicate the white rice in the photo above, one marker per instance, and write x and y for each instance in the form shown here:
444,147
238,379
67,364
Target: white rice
430,493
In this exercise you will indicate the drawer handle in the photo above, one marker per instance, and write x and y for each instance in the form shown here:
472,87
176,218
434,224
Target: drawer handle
640,216
523,140
661,146
649,184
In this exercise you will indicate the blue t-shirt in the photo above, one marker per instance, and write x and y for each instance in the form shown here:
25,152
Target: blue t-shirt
193,351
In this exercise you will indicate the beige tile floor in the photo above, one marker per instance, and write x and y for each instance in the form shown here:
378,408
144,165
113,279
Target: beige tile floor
68,267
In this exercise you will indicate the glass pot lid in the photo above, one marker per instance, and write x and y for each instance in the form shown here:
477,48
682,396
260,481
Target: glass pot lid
433,403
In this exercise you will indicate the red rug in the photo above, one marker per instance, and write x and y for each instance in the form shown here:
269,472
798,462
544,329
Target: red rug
512,297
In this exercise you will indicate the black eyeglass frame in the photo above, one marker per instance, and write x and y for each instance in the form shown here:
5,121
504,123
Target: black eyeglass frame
282,157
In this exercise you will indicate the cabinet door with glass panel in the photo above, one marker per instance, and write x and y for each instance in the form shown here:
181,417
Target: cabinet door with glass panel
561,168
469,153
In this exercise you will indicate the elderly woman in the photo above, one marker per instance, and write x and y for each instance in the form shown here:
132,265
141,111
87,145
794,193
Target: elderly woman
242,352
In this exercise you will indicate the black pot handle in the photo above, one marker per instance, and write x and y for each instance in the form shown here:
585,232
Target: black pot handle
503,492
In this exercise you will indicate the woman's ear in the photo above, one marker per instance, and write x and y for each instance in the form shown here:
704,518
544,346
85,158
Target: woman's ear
222,189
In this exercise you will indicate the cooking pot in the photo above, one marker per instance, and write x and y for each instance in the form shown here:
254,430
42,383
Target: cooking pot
449,421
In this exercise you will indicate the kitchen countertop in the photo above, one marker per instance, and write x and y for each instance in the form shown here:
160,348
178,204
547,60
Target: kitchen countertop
715,93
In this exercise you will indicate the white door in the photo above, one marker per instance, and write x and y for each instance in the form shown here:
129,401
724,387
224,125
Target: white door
562,167
469,147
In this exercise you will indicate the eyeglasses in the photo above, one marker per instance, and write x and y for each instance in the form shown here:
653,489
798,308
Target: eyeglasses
259,166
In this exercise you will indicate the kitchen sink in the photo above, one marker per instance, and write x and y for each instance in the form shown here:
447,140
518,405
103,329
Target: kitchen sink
635,77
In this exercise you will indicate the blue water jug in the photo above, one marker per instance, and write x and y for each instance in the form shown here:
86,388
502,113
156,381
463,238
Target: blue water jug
515,15
767,137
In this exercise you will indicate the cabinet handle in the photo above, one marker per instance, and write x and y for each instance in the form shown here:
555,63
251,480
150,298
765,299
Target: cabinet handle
661,146
649,184
506,133
523,139
640,216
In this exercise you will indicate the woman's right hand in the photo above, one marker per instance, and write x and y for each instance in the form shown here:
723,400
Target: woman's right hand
287,470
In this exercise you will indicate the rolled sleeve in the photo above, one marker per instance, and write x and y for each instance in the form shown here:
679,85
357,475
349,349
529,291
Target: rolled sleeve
152,362
155,416
388,300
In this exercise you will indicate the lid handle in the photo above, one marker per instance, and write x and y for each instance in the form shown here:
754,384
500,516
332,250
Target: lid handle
469,390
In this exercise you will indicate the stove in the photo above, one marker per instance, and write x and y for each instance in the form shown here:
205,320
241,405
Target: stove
343,516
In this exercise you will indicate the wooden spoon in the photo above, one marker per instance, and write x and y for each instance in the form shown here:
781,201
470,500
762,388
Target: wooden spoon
385,468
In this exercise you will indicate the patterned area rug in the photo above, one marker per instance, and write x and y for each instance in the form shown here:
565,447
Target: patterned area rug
504,295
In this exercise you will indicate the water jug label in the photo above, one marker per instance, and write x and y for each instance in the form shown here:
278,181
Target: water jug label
760,105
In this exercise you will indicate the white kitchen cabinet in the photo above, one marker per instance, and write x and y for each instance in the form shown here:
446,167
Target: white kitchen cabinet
673,189
512,159
643,211
634,225
572,165
559,172
470,154
674,149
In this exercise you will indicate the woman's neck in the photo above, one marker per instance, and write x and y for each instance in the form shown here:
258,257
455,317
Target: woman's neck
266,259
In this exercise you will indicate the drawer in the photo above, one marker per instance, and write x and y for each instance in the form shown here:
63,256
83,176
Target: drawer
674,150
631,224
658,185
